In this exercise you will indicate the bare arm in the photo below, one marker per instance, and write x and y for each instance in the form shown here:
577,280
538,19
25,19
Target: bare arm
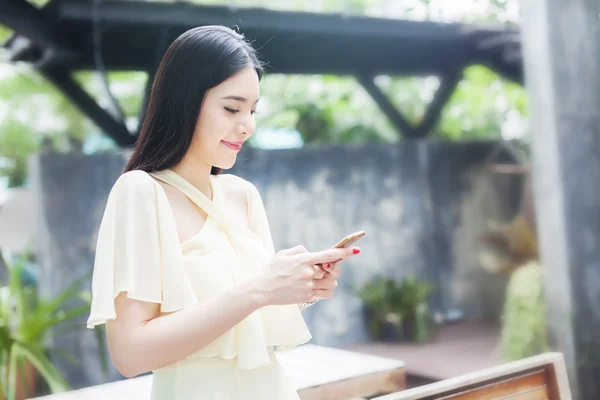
139,340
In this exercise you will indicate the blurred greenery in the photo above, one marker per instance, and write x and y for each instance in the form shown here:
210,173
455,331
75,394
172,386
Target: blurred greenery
401,305
524,325
4,33
323,109
26,323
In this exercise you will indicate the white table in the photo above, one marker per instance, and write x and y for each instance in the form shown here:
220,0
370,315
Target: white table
318,372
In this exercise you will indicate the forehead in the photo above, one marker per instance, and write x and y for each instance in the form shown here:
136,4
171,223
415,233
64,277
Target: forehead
245,84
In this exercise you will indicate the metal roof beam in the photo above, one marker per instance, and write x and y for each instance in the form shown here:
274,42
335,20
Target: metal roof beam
384,103
62,79
448,82
25,19
247,18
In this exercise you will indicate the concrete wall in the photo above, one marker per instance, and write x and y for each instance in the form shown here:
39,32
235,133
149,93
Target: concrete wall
422,204
70,192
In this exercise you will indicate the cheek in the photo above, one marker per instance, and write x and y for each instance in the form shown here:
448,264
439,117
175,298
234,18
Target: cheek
211,129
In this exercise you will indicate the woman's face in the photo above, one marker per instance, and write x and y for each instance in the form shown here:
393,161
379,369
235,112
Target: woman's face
226,119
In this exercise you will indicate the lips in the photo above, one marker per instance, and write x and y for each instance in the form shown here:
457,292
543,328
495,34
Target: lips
237,146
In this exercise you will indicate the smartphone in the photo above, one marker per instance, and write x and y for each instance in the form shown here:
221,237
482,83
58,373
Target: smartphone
349,240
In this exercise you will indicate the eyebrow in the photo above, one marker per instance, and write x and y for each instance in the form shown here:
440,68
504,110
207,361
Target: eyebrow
238,98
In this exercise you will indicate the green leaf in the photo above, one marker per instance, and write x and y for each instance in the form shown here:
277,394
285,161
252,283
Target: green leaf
73,313
12,372
71,292
66,355
5,33
4,370
17,290
42,364
100,333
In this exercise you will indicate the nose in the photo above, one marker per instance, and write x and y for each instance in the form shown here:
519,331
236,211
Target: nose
247,128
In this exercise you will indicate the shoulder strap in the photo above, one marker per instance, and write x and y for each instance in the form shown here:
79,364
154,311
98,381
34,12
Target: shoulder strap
211,208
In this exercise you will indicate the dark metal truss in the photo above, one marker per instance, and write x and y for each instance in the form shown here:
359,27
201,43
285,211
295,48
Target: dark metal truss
59,39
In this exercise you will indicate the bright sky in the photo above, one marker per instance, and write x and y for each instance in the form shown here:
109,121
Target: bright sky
438,10
452,10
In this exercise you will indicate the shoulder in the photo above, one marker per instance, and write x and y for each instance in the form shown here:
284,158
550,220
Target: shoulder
135,181
132,198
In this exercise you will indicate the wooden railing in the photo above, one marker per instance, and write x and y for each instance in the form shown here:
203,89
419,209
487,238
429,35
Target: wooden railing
542,377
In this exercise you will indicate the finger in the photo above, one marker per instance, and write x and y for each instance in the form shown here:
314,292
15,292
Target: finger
330,255
319,272
325,284
355,251
293,251
307,272
323,267
334,269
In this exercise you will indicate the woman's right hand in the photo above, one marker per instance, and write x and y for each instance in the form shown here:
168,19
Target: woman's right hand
288,277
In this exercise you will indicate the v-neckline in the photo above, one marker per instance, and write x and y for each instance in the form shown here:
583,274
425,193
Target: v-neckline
215,215
193,188
208,220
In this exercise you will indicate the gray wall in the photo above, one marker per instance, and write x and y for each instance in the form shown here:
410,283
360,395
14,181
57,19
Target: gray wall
422,204
70,192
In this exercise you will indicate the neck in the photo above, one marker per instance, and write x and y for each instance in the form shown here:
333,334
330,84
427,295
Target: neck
196,173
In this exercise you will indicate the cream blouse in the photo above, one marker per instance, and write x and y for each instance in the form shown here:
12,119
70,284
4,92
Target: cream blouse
138,252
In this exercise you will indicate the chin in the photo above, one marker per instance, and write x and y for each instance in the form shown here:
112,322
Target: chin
226,164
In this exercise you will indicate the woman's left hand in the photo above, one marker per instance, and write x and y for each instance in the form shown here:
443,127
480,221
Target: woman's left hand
325,280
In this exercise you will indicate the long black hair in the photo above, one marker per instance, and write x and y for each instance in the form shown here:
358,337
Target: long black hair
198,60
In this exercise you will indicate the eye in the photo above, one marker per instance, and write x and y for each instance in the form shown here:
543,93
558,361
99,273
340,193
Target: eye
232,111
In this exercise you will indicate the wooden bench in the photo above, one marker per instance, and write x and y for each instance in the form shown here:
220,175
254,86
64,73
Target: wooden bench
542,377
318,373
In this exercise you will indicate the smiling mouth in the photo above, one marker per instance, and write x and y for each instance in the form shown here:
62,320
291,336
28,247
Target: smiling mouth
232,146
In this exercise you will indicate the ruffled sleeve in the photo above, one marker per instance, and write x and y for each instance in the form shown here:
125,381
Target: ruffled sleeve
284,325
258,219
137,251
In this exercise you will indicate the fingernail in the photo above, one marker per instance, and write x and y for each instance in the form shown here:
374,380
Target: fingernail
356,250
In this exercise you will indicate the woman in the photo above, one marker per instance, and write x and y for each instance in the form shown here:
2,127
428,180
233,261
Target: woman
185,275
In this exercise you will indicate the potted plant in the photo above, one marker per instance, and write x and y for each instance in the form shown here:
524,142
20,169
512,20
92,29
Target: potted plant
25,322
397,311
382,322
412,303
